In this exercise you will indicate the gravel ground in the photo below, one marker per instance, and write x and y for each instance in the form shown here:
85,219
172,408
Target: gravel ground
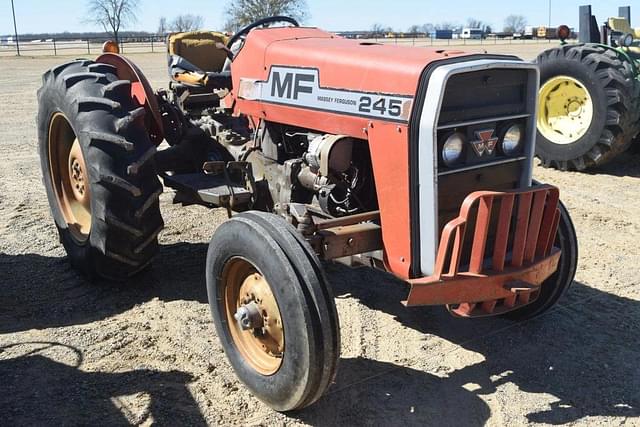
145,352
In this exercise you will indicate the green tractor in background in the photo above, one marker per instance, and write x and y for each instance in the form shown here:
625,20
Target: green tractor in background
589,103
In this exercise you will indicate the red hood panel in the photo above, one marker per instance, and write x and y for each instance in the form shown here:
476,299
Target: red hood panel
342,63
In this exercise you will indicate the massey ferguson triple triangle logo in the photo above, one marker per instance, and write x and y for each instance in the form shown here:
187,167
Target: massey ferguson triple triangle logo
486,142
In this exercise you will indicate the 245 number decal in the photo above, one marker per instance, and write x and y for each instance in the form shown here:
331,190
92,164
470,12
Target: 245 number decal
385,107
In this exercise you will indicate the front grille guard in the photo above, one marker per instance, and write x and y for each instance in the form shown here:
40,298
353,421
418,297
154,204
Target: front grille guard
522,258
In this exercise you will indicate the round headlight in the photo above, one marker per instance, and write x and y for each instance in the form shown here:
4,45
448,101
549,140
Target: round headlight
512,140
626,40
452,149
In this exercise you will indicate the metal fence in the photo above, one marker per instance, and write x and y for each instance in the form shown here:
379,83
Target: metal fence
431,41
88,46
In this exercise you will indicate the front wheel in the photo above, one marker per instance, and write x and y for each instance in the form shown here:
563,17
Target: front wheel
273,310
555,286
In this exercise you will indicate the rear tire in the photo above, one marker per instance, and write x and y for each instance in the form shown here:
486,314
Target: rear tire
83,106
613,100
557,285
311,339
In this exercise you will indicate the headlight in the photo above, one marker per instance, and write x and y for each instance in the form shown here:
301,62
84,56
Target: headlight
512,140
452,149
626,40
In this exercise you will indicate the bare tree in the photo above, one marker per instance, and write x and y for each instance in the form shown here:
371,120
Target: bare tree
476,23
414,29
112,15
240,13
162,26
188,22
514,24
446,26
427,28
377,29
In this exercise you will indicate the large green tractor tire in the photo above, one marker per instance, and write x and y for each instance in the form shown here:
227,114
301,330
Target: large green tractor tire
588,107
97,164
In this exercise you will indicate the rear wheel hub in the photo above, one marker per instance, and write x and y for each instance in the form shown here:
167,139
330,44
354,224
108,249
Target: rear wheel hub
77,175
69,177
565,110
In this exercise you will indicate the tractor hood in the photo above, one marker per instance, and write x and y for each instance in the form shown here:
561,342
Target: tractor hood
341,63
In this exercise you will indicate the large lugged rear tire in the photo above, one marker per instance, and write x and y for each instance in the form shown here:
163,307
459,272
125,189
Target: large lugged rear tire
588,109
96,158
287,353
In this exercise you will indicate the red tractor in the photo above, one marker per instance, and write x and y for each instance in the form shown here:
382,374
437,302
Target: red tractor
414,160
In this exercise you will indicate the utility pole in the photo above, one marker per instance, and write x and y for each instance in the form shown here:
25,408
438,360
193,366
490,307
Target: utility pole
15,28
549,13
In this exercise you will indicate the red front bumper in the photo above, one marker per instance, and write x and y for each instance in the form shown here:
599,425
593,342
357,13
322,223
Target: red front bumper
521,256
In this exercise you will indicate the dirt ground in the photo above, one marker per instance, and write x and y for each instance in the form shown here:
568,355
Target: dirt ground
145,352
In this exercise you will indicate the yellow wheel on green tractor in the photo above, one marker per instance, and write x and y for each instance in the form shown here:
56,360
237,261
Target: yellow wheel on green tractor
588,106
565,110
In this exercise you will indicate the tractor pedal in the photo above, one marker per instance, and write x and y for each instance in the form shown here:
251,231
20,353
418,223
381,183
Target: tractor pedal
210,189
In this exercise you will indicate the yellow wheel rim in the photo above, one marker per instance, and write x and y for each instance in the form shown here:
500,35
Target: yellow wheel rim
262,344
565,110
69,176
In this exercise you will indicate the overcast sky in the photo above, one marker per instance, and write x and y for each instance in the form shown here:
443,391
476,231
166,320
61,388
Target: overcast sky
38,16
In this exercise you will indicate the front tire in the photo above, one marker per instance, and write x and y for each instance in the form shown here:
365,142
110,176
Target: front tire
287,351
557,285
96,159
588,108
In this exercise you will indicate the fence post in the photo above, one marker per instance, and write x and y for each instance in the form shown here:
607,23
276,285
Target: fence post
151,44
55,51
15,28
88,47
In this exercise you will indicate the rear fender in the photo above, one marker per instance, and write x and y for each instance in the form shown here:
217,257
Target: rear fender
141,92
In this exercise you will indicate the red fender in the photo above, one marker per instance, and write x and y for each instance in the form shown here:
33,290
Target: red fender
141,92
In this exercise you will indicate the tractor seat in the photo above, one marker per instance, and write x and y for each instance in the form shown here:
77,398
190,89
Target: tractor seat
196,59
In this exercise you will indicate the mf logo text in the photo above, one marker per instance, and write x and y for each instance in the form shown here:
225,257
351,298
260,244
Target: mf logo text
289,85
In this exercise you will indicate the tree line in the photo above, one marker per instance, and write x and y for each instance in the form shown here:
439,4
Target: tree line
113,15
512,24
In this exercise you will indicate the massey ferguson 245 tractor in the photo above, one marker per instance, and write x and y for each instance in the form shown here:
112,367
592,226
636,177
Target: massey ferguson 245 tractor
414,160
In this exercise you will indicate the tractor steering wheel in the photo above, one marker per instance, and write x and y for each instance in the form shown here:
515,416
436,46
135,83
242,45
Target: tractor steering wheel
260,22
